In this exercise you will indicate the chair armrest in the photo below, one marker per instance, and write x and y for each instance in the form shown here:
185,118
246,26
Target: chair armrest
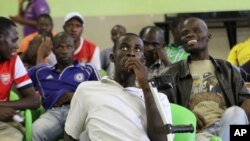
28,125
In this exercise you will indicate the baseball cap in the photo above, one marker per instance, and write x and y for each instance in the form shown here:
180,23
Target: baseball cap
71,15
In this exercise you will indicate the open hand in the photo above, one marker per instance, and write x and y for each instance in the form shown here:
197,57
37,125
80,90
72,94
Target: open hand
159,53
45,47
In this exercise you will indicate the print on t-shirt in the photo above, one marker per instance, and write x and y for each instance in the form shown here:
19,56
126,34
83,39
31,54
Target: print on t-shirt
205,83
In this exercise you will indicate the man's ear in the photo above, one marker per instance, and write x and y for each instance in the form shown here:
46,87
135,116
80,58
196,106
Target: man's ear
112,57
209,36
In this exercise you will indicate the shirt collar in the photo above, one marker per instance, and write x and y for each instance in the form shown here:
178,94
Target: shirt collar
186,71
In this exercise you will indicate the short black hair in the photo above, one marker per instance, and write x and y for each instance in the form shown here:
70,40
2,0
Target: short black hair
45,15
5,24
121,27
155,28
126,34
58,37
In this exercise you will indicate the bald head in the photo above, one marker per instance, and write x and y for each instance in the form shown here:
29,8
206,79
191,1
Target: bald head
116,32
150,31
119,27
195,37
61,36
153,39
193,20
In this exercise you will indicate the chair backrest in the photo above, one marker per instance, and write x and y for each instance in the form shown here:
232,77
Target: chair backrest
103,72
183,116
13,96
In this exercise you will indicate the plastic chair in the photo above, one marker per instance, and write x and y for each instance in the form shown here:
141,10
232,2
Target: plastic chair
183,116
103,73
215,138
28,118
36,113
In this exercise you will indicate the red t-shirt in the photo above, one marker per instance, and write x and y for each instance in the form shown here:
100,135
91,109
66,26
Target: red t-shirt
85,52
12,71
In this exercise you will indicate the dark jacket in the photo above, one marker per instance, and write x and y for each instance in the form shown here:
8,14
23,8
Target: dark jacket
178,75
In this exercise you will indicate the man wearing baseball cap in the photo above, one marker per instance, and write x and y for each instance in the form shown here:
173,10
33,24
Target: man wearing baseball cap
85,51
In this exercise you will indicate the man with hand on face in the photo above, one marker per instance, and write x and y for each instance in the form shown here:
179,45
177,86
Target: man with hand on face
57,84
121,109
85,51
44,28
12,71
153,39
212,88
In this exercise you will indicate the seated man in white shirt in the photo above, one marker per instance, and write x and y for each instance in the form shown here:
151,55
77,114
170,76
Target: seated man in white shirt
121,109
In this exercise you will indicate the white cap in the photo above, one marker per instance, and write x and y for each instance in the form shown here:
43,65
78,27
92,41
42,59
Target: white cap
71,15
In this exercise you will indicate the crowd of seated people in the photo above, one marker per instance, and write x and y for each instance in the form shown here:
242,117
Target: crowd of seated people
64,70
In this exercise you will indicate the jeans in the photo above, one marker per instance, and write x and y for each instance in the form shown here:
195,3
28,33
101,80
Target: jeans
50,125
233,115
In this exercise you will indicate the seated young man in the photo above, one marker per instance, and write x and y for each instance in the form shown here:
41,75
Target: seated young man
85,50
44,28
57,84
212,88
119,109
154,44
12,71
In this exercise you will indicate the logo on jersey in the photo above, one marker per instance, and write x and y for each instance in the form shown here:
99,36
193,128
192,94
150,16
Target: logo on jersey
49,77
5,78
79,77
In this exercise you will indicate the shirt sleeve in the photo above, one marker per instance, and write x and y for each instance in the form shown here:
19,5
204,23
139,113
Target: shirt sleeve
77,115
21,77
104,59
23,45
232,57
166,106
32,73
94,74
96,59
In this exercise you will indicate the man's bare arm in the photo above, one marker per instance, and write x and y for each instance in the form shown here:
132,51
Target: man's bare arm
21,20
28,100
155,126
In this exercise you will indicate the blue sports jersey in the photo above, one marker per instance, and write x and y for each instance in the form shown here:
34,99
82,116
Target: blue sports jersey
52,84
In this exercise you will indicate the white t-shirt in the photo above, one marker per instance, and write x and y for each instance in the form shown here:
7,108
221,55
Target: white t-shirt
104,111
